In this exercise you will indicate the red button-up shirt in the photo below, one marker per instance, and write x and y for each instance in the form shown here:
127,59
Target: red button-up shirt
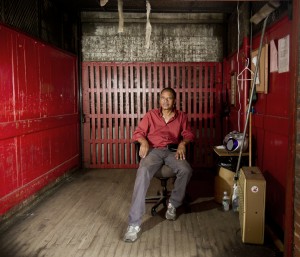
159,133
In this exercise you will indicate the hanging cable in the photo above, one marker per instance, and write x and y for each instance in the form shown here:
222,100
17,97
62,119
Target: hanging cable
148,25
121,16
238,67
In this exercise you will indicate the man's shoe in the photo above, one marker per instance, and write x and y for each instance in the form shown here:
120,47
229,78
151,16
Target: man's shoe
171,212
131,234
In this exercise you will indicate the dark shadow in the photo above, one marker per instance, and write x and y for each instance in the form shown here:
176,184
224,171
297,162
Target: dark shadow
200,185
204,206
196,207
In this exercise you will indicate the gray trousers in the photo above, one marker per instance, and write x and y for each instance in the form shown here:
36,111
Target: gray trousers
148,167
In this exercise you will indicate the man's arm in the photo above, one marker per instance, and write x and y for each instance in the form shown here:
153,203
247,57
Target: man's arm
186,133
188,137
144,147
181,150
184,142
140,135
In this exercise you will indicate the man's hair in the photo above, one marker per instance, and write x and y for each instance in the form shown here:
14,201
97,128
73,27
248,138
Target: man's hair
171,90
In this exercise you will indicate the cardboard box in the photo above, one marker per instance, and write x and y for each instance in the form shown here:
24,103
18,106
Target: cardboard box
223,182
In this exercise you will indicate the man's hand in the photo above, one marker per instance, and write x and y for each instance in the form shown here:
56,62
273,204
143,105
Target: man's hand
181,151
144,148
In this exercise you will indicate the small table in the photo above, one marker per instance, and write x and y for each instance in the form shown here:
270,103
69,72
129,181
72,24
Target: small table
221,151
227,162
230,157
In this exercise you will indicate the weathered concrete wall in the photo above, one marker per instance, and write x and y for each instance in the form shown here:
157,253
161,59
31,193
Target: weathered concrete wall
175,42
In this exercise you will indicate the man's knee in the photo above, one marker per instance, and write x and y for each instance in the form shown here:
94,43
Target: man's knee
185,169
142,172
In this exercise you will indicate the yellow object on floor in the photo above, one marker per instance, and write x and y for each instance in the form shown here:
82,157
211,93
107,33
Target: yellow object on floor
223,182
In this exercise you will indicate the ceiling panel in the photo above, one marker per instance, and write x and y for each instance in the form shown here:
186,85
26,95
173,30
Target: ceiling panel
158,6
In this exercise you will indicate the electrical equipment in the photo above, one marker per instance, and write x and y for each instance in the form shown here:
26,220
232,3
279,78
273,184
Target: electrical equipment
234,140
252,194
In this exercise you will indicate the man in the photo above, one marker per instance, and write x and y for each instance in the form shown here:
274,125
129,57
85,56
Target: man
156,130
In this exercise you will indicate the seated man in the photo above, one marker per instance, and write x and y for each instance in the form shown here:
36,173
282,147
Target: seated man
156,130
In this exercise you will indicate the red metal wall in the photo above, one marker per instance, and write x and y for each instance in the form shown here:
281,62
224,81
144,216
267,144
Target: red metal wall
117,95
39,124
271,123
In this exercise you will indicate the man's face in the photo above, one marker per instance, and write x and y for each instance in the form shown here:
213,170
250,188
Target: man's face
166,100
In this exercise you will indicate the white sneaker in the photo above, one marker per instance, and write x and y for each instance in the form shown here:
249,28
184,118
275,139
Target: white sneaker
171,212
131,234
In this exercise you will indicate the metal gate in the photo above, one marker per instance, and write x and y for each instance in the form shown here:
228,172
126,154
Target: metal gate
117,95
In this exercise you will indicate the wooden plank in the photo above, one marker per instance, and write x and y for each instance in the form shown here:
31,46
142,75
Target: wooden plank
110,106
88,217
92,114
127,111
98,111
115,87
122,115
150,70
131,125
143,91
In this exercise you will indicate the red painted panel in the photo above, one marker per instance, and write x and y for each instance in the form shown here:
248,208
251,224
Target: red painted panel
117,95
19,128
280,94
6,75
271,154
39,123
44,150
34,156
59,150
28,93
276,102
9,170
274,111
56,73
275,160
27,191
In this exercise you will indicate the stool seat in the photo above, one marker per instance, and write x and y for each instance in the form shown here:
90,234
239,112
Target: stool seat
165,172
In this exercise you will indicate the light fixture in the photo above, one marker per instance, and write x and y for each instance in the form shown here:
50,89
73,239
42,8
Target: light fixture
264,11
103,2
